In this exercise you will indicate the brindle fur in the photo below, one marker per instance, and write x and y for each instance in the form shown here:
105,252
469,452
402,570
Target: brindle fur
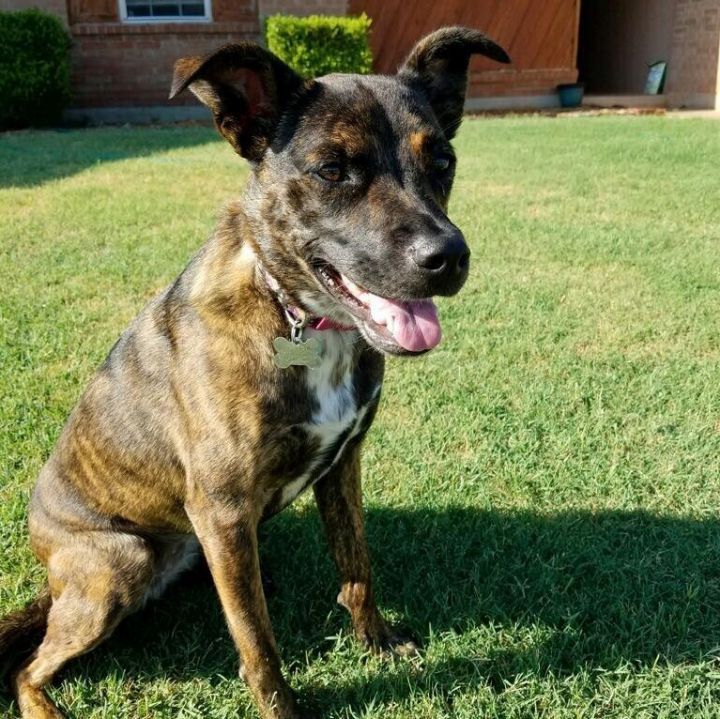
189,432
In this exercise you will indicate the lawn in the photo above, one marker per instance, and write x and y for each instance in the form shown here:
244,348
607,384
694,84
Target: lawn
542,491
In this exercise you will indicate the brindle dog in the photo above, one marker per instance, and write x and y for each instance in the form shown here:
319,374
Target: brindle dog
190,434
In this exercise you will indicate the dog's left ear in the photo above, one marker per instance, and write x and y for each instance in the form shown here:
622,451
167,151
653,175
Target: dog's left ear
438,66
246,87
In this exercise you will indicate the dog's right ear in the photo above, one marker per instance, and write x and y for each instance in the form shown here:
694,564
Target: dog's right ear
246,87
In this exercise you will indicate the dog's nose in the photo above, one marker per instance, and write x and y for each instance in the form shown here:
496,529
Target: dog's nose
445,257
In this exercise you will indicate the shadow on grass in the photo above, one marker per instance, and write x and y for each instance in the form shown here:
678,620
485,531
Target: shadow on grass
31,158
599,590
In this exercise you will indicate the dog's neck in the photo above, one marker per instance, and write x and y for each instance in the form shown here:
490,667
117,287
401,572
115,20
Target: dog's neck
233,266
297,316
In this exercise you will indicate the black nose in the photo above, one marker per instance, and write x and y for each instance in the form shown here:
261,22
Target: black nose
445,256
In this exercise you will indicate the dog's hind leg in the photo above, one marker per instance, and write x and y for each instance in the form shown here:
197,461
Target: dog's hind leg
96,579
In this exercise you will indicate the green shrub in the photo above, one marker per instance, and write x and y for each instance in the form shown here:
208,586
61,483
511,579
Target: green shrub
34,68
320,44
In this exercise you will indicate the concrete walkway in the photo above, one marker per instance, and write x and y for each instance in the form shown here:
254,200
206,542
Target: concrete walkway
706,114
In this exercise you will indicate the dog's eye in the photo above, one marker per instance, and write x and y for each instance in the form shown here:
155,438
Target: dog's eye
331,172
441,163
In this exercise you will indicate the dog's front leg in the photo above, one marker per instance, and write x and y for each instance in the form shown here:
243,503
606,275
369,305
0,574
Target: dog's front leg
339,499
228,535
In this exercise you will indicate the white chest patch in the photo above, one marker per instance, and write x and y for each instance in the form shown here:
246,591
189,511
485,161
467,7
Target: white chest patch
337,413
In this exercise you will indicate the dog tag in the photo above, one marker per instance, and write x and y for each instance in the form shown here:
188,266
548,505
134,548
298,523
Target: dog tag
305,353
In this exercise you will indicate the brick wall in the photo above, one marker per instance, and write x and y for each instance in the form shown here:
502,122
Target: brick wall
124,64
116,64
55,7
511,83
693,72
303,7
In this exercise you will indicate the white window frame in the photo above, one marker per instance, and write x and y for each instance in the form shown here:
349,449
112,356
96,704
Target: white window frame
206,17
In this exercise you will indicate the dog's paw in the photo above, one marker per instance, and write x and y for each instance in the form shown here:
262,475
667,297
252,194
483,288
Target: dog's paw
403,646
400,644
384,639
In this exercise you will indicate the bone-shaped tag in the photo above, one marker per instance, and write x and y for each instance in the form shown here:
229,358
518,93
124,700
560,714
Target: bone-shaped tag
304,353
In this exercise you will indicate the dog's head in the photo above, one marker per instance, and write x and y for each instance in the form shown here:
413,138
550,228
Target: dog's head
351,179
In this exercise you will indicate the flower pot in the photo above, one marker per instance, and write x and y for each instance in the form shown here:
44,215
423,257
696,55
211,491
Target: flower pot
571,94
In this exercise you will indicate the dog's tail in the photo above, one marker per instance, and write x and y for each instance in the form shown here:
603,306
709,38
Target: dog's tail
22,631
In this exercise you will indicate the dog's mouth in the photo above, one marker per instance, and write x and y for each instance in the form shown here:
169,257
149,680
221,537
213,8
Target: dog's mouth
394,326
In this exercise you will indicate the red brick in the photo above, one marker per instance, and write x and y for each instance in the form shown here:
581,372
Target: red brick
116,64
693,70
303,7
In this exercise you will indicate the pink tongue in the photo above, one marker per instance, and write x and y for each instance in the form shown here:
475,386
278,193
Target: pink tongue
413,325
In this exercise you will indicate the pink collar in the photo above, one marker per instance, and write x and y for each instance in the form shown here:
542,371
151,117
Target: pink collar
322,323
325,323
314,323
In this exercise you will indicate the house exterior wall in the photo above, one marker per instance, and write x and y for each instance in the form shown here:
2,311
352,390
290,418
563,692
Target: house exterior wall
129,65
303,7
116,64
54,7
694,70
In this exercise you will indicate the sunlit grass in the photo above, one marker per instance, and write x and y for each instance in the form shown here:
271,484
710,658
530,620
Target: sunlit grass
542,490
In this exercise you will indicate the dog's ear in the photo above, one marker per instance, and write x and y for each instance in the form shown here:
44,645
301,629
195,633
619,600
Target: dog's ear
438,66
246,87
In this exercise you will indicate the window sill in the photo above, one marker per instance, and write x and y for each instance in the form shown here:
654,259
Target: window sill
165,20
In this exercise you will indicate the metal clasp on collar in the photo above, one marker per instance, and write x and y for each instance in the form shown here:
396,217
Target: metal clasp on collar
297,324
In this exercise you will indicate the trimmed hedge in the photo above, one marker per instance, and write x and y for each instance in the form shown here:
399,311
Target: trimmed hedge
321,44
34,68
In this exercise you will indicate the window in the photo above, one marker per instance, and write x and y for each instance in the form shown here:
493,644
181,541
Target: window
165,10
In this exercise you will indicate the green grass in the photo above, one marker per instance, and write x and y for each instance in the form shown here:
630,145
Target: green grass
542,492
